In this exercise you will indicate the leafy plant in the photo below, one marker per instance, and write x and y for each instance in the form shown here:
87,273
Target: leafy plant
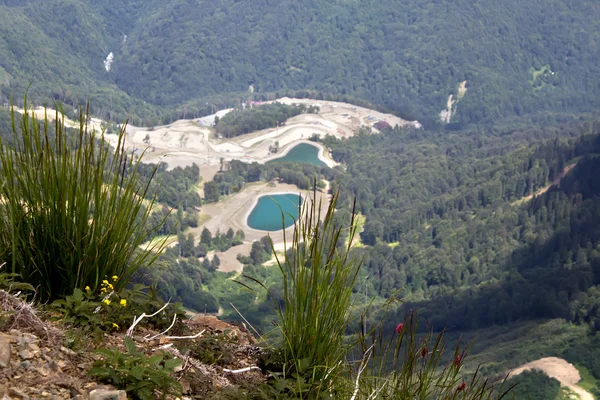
111,309
10,282
78,310
73,210
140,376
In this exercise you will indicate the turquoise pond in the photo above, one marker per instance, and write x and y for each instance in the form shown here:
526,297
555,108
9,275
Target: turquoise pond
304,153
266,214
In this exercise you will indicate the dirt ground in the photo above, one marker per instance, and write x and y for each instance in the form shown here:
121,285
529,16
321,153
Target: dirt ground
543,190
559,369
185,142
193,141
233,211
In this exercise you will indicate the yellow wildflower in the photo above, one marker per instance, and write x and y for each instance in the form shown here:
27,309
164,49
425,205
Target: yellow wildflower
111,287
115,325
87,289
115,278
106,301
123,302
103,290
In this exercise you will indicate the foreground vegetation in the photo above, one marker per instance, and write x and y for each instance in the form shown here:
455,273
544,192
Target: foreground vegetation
317,360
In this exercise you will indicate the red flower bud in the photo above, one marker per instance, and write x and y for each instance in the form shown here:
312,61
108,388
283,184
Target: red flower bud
457,360
424,352
399,328
461,387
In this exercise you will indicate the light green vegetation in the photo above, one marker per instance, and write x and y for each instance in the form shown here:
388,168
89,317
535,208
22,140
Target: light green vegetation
542,78
537,73
565,394
500,348
587,382
360,225
203,218
4,77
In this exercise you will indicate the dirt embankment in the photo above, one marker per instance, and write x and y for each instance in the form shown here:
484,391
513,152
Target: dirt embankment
232,212
559,369
543,190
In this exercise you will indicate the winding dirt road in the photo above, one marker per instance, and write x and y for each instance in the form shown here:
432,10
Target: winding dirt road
559,369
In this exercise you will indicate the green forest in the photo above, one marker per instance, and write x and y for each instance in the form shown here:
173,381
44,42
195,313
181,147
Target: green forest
187,58
241,121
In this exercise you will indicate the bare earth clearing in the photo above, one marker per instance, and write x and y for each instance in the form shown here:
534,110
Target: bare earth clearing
543,190
559,369
186,142
233,213
193,141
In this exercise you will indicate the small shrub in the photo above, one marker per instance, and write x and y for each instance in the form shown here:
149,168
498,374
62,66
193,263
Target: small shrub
208,350
115,310
140,376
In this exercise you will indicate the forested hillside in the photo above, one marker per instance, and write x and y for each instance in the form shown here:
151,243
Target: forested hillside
516,57
450,219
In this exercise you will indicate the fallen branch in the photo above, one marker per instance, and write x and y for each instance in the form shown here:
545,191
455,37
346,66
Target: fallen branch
239,371
164,347
197,335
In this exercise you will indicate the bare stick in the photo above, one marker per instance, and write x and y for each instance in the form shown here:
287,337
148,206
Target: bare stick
239,371
363,365
166,346
137,320
165,331
197,335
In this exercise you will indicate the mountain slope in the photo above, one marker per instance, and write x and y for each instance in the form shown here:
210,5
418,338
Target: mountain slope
57,49
408,54
516,57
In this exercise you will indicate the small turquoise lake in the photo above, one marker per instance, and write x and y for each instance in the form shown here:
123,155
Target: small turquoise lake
266,214
303,153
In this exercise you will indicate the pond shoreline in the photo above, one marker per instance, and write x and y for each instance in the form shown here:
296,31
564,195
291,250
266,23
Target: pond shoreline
322,156
255,203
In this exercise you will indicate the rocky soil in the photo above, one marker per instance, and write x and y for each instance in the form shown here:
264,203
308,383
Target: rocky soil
35,362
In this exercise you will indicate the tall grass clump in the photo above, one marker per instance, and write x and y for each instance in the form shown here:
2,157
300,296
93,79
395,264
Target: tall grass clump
318,277
404,365
323,358
72,208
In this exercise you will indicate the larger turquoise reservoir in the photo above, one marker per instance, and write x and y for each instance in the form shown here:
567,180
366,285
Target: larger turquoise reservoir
303,153
267,213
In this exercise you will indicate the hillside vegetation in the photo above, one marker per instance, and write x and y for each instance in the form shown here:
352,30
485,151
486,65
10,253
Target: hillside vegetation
71,244
516,57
